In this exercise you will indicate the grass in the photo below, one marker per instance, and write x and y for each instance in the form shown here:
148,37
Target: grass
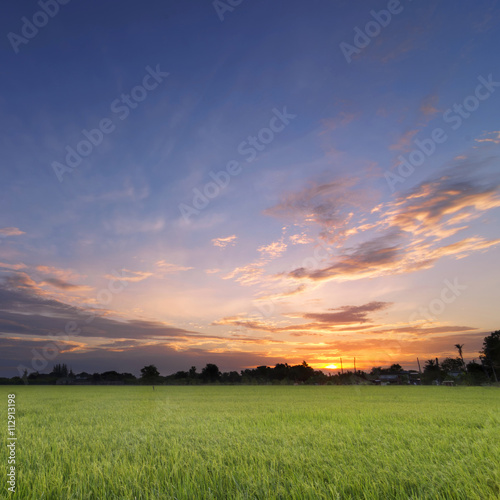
267,442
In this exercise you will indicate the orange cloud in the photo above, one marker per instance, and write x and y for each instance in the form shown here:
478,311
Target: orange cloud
224,242
273,250
11,231
168,268
131,276
408,233
14,267
495,139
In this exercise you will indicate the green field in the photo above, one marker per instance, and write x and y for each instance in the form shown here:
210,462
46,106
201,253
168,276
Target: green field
255,442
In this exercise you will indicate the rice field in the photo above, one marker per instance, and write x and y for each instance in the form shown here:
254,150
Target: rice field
255,442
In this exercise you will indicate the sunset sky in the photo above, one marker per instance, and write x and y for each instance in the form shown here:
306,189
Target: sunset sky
185,183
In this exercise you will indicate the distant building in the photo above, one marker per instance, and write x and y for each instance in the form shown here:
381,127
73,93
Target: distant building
401,378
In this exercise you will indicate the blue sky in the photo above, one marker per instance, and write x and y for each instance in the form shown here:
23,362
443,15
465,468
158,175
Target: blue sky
321,246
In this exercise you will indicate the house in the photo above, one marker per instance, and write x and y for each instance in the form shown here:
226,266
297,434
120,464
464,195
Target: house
390,379
410,377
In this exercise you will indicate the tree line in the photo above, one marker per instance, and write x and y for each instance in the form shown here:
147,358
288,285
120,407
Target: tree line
450,369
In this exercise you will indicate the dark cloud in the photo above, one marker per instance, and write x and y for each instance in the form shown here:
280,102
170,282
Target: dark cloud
366,258
322,321
64,285
19,353
24,310
348,314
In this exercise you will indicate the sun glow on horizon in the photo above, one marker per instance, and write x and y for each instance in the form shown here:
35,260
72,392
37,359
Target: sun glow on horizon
331,367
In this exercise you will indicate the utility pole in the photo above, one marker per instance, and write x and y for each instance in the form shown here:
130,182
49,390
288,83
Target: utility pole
341,367
354,366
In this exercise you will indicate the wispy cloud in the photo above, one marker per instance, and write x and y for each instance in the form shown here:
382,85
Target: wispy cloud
404,143
63,274
14,267
11,231
300,239
213,271
169,268
329,205
428,107
321,322
249,274
224,242
273,250
126,225
493,137
65,285
407,235
347,314
130,276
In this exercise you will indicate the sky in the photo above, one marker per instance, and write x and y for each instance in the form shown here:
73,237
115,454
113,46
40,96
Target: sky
247,183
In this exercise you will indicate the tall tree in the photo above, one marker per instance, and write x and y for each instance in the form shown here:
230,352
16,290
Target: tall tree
431,371
210,373
452,365
460,347
490,354
149,371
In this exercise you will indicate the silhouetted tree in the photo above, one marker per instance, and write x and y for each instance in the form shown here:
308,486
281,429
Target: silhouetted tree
111,376
459,348
476,374
281,371
302,372
490,354
149,371
60,371
452,365
431,371
210,373
230,378
395,368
